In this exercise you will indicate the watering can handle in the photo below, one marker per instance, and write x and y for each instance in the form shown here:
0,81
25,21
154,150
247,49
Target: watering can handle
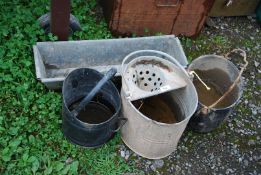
94,91
162,54
236,80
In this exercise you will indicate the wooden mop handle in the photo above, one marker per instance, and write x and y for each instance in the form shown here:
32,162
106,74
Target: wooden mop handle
243,53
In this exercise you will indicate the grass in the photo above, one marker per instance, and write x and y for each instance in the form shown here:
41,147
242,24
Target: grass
31,140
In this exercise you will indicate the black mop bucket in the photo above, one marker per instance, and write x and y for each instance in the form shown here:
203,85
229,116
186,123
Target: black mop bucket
219,86
90,113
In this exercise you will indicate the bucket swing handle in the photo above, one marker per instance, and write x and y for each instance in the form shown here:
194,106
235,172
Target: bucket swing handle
132,55
121,121
232,86
192,73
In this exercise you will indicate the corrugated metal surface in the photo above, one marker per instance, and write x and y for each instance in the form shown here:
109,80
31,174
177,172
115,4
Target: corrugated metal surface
233,7
140,17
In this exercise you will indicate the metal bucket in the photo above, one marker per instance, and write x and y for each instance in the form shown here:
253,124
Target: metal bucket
145,136
216,104
98,122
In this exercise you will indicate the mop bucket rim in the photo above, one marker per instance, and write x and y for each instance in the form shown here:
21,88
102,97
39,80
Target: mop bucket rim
174,62
241,84
171,59
160,123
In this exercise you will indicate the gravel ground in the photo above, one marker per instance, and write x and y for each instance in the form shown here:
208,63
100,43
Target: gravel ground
234,147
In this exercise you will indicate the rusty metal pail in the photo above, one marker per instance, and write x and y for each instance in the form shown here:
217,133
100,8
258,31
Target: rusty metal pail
216,105
147,137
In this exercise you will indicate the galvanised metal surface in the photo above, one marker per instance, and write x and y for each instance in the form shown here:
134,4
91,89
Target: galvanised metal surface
54,60
147,73
150,138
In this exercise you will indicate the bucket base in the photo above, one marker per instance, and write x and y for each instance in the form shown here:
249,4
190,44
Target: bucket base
143,155
75,142
207,123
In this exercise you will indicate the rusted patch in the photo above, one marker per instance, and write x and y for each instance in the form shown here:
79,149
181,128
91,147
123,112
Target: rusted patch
51,66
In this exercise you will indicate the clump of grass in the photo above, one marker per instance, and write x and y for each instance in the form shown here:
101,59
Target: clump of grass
31,140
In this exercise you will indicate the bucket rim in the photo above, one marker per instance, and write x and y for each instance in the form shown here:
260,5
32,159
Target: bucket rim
214,56
154,121
234,67
160,123
116,113
117,110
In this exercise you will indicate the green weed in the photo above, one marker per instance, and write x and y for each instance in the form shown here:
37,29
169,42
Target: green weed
31,140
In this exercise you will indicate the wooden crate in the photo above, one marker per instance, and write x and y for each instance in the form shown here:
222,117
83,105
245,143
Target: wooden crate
140,17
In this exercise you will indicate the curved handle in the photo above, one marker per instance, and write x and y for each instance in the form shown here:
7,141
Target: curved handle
121,121
243,53
162,54
232,86
94,91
